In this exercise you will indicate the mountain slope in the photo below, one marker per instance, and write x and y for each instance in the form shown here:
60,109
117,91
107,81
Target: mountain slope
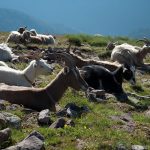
12,19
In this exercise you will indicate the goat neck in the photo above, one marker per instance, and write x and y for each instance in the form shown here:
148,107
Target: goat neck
143,52
30,72
58,86
80,62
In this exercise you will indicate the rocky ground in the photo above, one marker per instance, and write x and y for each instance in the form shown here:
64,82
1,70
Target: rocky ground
78,123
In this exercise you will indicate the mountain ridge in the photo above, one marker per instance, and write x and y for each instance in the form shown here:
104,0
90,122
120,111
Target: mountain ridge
12,19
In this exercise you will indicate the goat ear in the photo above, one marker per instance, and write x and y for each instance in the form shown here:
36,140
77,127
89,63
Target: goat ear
66,70
35,65
118,74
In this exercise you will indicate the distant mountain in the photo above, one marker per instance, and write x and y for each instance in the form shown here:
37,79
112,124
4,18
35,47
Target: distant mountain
12,19
140,33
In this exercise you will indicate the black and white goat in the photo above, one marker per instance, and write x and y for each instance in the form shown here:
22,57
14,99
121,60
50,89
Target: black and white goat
99,77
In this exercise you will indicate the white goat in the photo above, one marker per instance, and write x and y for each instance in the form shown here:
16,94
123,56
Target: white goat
25,77
18,38
6,53
131,55
3,64
45,39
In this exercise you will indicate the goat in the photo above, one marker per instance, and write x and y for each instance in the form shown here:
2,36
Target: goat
22,29
99,77
131,55
6,53
3,64
47,97
128,73
41,38
18,38
25,77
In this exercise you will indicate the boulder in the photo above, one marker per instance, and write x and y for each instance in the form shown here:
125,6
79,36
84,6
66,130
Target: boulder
59,123
44,117
12,120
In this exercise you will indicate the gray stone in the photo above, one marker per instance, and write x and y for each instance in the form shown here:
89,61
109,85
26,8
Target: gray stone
138,147
121,147
59,123
31,143
12,107
62,113
3,121
44,117
5,135
12,120
37,134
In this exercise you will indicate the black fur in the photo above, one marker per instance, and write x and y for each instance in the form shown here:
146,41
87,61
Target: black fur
111,81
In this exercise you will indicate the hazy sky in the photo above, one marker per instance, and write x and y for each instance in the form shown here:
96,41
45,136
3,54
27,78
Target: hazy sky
91,16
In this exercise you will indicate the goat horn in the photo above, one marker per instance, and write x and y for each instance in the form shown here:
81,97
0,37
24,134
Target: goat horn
145,40
69,61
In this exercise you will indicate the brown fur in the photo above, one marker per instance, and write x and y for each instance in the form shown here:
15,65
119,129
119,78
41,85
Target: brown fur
43,98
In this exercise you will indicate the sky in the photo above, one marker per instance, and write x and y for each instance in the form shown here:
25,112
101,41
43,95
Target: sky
91,16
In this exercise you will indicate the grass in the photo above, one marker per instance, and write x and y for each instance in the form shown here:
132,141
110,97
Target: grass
95,129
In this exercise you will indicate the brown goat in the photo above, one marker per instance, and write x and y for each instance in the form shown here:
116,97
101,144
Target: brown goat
128,73
43,98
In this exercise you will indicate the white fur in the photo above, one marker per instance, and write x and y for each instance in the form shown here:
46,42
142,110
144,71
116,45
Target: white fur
6,53
17,77
126,53
3,64
46,39
15,37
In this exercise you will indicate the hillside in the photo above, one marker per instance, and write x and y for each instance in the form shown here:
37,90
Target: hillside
12,19
107,125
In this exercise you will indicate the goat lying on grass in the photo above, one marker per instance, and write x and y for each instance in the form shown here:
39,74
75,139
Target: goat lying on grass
41,38
96,76
6,53
128,73
99,77
25,77
18,38
132,55
43,98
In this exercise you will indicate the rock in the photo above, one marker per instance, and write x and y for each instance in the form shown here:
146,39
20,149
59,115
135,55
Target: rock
72,110
12,120
138,147
62,113
5,135
2,105
121,147
70,123
31,143
3,121
12,107
44,117
59,123
37,134
72,113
